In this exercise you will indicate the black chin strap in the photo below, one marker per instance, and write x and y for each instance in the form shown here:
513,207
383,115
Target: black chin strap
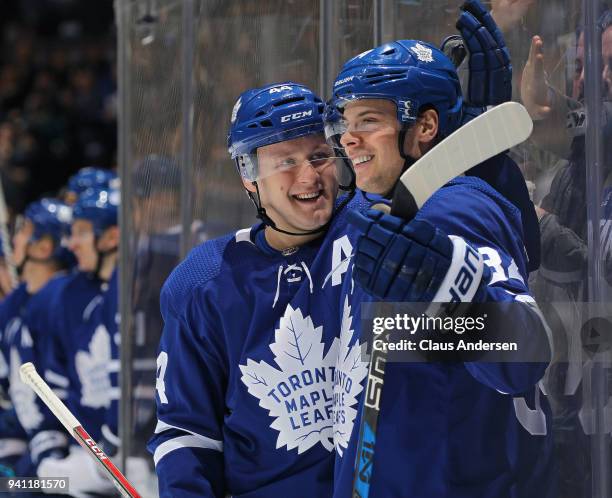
100,259
20,267
408,160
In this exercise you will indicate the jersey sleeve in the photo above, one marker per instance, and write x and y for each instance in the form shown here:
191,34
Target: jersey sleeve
187,445
470,209
45,433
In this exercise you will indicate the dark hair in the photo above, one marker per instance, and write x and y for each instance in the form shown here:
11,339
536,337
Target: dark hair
605,20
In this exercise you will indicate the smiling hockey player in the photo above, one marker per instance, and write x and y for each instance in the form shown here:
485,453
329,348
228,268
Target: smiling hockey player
444,429
252,320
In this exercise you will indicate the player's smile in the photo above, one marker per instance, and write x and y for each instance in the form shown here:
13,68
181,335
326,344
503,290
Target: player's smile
308,197
312,199
297,186
361,161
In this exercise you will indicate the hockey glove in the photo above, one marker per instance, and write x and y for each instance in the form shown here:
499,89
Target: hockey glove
490,70
490,81
85,476
414,261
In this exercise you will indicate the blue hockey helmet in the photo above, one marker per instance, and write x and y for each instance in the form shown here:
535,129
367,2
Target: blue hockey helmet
268,115
411,73
278,113
99,206
51,218
90,177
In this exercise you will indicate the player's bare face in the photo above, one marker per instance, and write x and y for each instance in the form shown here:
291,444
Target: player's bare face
370,141
82,244
298,184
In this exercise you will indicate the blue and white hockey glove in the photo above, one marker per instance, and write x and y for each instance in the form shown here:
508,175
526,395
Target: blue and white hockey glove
490,70
414,261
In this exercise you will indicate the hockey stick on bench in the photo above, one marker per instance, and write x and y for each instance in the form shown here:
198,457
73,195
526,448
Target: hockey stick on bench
488,135
30,376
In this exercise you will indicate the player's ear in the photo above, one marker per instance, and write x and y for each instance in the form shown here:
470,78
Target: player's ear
427,126
116,234
111,236
250,186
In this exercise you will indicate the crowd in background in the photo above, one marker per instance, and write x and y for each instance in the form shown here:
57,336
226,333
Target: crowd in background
57,94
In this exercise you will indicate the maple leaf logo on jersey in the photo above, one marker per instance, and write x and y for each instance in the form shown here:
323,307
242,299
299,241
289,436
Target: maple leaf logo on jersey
350,372
22,396
299,396
93,369
423,53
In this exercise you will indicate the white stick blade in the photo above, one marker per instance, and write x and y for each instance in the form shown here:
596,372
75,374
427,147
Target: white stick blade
30,376
491,133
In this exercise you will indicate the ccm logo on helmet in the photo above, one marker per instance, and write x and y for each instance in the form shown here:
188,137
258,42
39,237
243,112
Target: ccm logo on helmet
278,89
295,115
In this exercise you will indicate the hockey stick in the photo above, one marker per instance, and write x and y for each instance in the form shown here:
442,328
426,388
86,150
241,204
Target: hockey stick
30,376
486,136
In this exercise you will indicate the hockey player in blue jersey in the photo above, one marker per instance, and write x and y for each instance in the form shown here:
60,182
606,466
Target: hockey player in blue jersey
42,257
253,319
444,429
83,361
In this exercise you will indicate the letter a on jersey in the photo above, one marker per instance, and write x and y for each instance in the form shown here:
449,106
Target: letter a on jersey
341,257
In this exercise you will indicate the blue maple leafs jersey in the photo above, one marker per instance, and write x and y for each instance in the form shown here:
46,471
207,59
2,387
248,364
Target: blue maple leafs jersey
12,310
449,430
30,343
247,364
71,310
25,339
13,438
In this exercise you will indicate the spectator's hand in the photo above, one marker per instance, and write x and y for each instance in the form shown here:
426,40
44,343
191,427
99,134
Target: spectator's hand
508,13
534,91
540,212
